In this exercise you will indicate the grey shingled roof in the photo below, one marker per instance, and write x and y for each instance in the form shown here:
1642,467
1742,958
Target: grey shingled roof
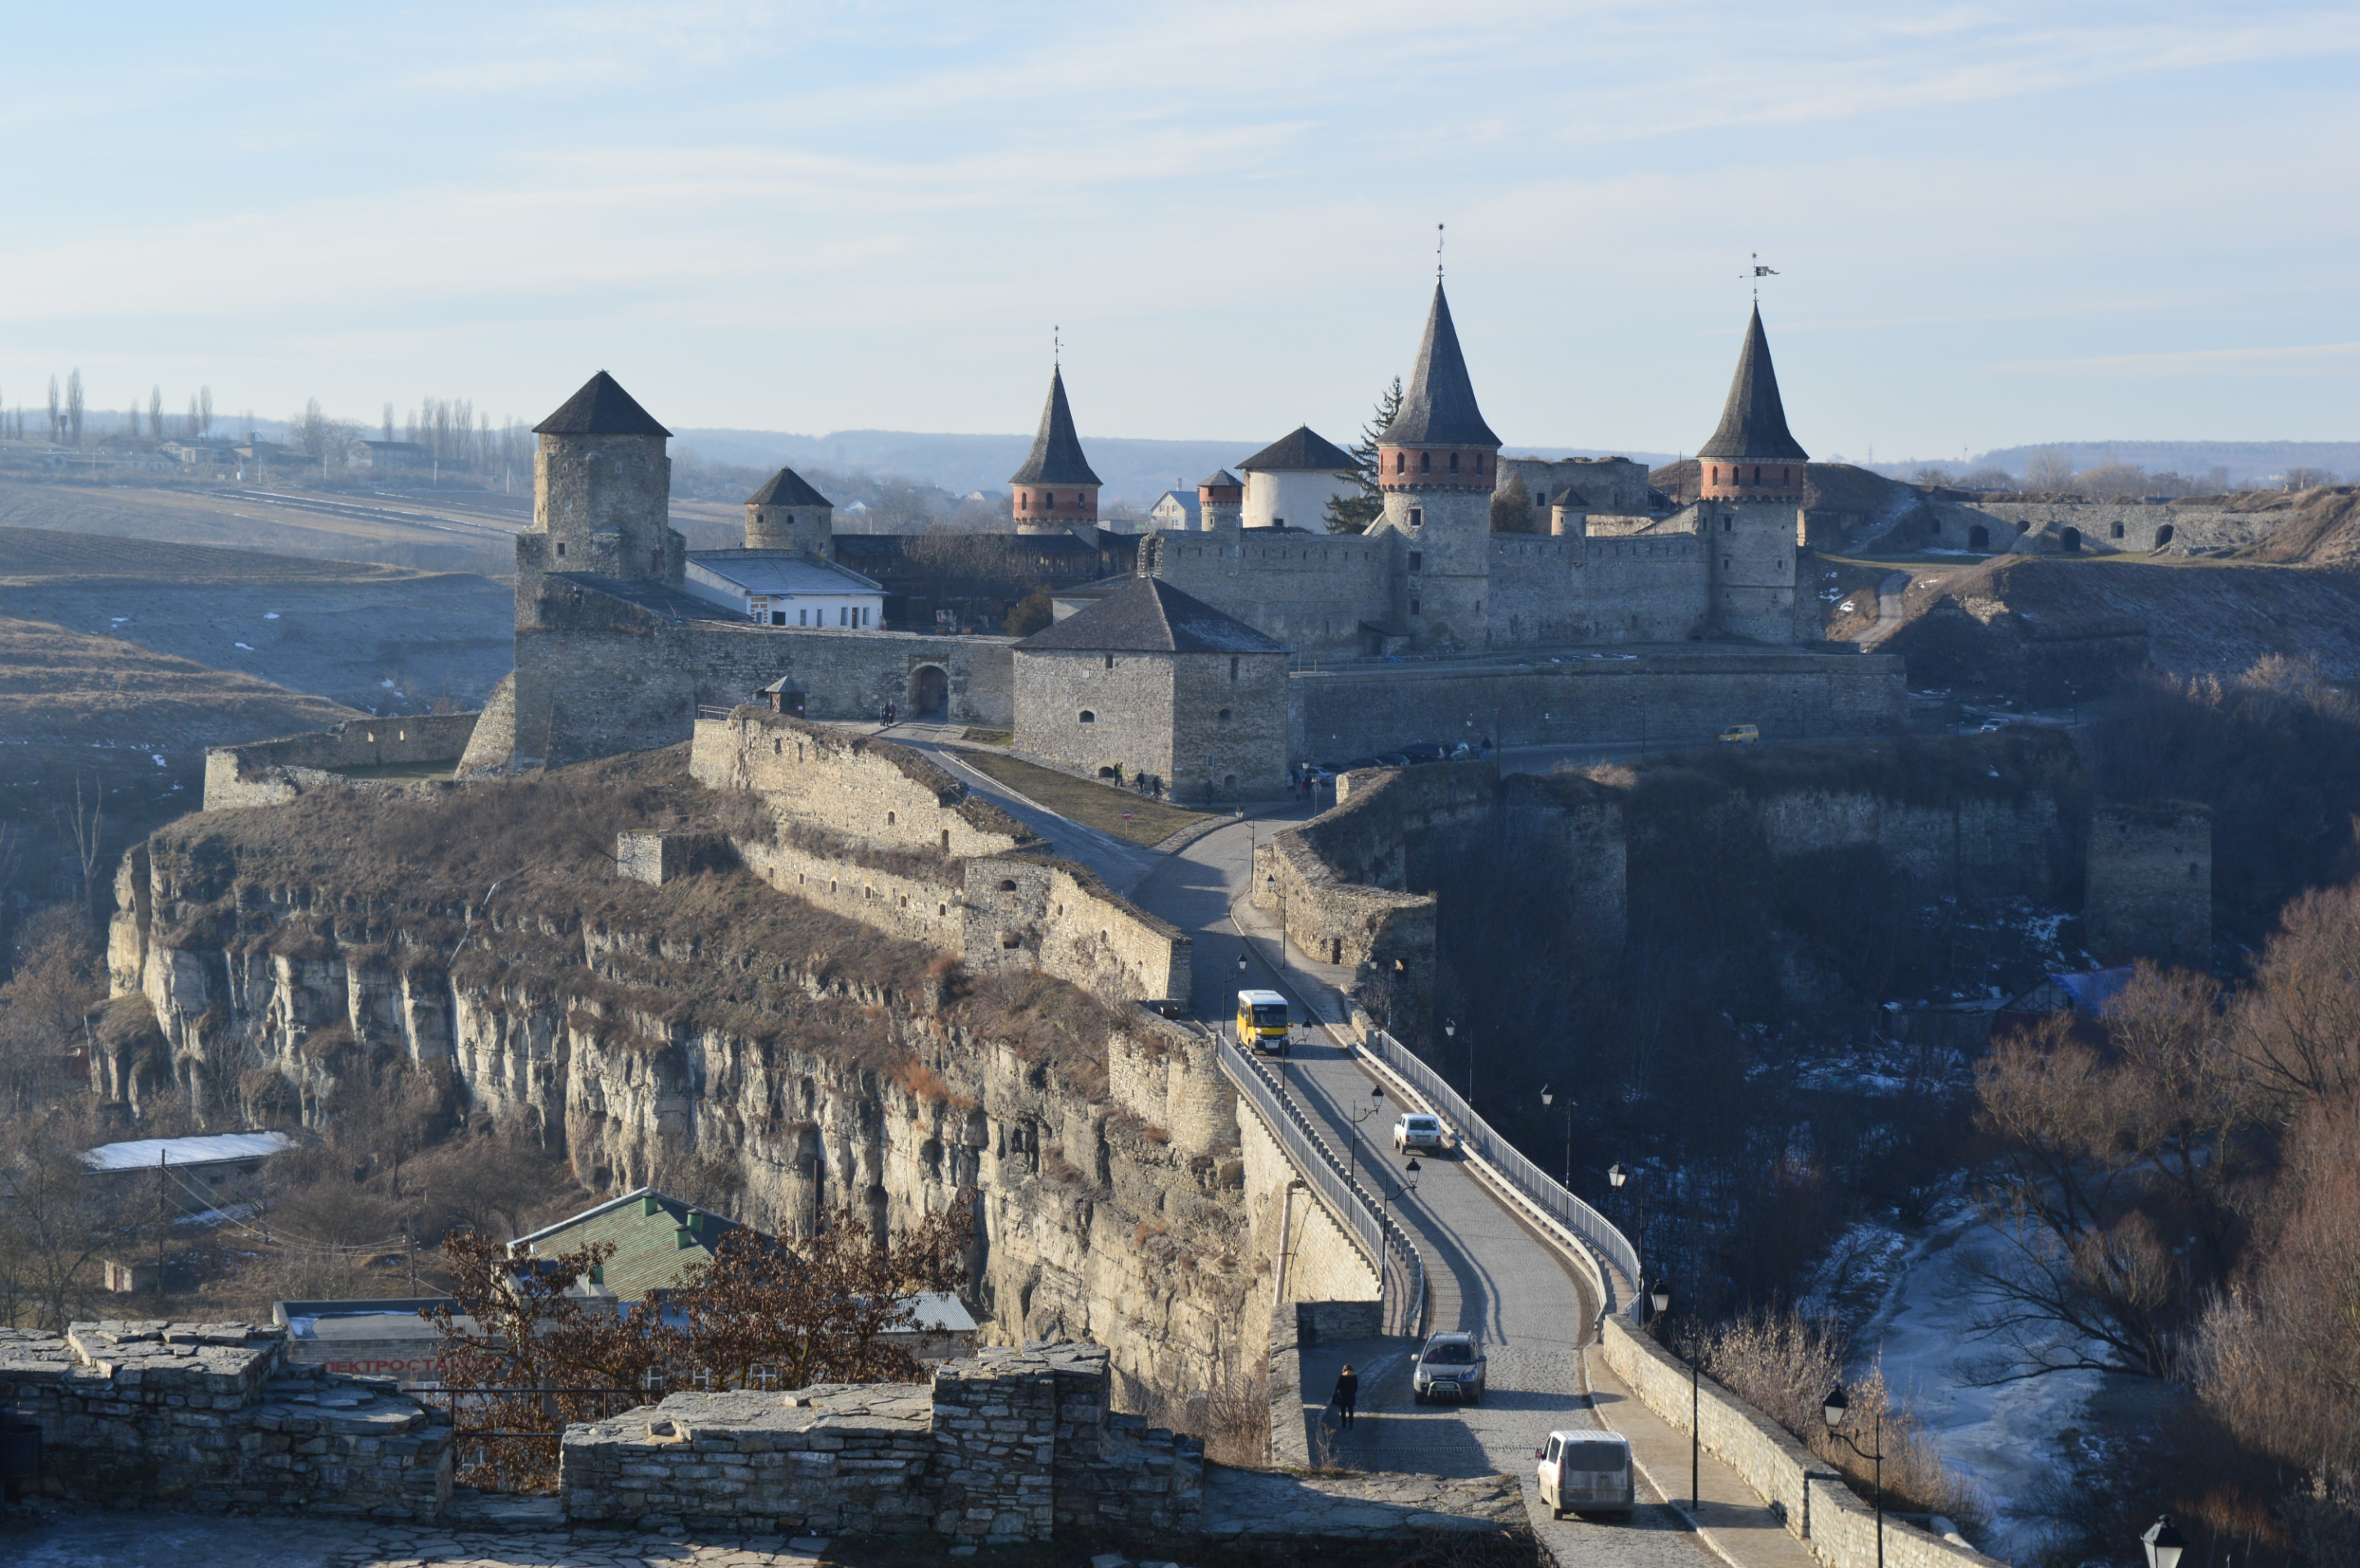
1056,455
1754,422
787,488
1439,408
1302,448
1220,479
1147,615
601,409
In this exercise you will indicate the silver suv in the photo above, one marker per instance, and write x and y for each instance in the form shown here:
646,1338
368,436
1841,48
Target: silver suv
1450,1366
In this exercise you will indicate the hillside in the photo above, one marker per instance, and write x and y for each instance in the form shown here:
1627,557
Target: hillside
2323,529
2049,627
374,637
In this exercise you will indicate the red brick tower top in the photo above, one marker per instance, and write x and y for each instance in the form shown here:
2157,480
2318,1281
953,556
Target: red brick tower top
1055,489
1439,438
1752,457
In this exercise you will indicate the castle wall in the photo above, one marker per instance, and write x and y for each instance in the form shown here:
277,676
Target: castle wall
1613,485
1565,590
1229,726
1751,547
1311,594
1661,695
2193,528
2150,892
860,788
1444,537
1025,911
267,772
1168,1077
1128,697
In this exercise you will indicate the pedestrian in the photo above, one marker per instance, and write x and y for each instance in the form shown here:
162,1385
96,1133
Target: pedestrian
1348,1392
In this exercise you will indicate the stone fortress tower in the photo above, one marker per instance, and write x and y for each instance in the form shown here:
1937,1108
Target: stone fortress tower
1438,461
1221,501
1054,490
602,495
786,513
1751,474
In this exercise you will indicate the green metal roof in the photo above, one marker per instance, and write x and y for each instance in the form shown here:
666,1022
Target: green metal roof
658,1241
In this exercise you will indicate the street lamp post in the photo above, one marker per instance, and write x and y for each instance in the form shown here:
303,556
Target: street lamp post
1663,1300
1833,1410
2164,1543
1450,1032
1616,1176
1385,1204
1352,1151
1546,1098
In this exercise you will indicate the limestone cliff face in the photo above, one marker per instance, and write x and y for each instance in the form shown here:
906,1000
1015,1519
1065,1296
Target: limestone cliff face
658,1037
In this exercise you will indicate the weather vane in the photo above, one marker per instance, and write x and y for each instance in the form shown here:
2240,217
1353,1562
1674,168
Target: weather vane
1438,253
1056,347
1760,272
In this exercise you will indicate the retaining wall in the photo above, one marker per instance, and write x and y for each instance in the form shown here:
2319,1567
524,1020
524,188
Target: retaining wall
1168,1077
1826,1515
2149,893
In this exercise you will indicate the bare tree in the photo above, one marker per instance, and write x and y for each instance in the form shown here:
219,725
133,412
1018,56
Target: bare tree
56,1219
189,427
73,406
54,426
2308,478
155,413
205,410
2049,472
387,426
84,827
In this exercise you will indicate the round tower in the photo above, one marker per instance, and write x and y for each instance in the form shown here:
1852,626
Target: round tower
1054,490
1751,476
1438,463
1221,501
787,513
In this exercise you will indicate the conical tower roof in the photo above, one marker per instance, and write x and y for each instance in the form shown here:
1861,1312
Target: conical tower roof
1754,422
1439,407
601,409
787,488
1056,455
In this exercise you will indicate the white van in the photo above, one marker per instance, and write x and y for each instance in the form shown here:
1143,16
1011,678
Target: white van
1586,1472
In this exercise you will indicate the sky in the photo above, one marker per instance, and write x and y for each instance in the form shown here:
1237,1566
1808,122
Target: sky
1991,223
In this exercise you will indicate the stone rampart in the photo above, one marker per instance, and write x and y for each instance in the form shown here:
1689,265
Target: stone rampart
2108,528
1169,1078
1822,1512
1009,1448
264,773
1658,695
2149,887
1023,911
213,1418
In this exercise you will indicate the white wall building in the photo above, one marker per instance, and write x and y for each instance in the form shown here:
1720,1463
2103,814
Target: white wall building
783,588
1175,512
1290,482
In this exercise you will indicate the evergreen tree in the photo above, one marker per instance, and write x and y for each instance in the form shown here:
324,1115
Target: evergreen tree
1353,514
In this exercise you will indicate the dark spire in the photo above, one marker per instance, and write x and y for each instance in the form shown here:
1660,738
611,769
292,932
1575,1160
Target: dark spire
1754,422
1057,456
601,409
1439,407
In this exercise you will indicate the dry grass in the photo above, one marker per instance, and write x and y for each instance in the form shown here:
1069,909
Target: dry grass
1114,811
989,737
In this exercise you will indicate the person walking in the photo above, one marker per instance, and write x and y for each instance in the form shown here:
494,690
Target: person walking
1348,1392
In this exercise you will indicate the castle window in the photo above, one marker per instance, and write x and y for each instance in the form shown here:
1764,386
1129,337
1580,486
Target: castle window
1109,661
1417,560
1540,498
1454,463
560,547
889,819
1088,717
946,840
1400,458
2118,530
1418,516
1425,462
1049,499
941,908
778,748
802,617
1233,670
1724,525
1757,474
1009,886
1225,715
1412,606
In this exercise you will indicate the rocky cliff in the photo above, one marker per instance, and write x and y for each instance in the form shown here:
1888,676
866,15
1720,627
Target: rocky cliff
300,957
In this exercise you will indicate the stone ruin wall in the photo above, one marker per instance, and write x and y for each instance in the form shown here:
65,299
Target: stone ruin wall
2150,892
265,773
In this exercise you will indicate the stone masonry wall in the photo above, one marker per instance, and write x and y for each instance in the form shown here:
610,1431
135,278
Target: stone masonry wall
1009,1448
1827,1516
267,772
1583,697
211,1417
2149,889
1129,699
2142,525
1170,1079
1309,592
1028,910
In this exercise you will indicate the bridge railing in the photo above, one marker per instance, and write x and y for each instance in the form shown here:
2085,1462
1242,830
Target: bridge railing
1401,1269
1546,1191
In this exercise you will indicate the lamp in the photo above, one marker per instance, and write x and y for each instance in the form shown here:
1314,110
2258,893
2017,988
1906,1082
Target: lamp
2164,1543
1662,1298
1615,1176
1834,1408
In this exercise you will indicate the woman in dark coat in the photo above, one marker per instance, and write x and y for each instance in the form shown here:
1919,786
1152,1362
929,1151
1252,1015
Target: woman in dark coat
1348,1392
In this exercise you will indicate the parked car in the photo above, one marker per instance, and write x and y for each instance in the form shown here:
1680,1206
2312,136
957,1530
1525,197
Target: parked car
1742,735
1449,1366
1415,1132
1585,1471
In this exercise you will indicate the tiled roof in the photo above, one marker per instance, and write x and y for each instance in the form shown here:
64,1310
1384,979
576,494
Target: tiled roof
1439,408
1305,449
1148,614
787,488
1754,422
601,409
1056,455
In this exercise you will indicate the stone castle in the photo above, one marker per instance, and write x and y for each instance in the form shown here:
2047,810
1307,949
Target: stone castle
1255,649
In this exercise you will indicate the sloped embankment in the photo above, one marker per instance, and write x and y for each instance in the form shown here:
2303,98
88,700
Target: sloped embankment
2323,530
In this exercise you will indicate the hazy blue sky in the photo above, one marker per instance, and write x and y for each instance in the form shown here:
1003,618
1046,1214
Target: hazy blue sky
1995,223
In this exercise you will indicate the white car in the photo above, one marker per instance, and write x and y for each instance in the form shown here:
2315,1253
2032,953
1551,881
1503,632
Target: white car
1585,1471
1417,1133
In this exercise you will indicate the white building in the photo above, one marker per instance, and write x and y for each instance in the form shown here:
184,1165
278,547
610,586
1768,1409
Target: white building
1290,482
786,588
1175,512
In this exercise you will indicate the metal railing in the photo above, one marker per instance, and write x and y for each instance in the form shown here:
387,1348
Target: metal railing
1401,1269
1477,1137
